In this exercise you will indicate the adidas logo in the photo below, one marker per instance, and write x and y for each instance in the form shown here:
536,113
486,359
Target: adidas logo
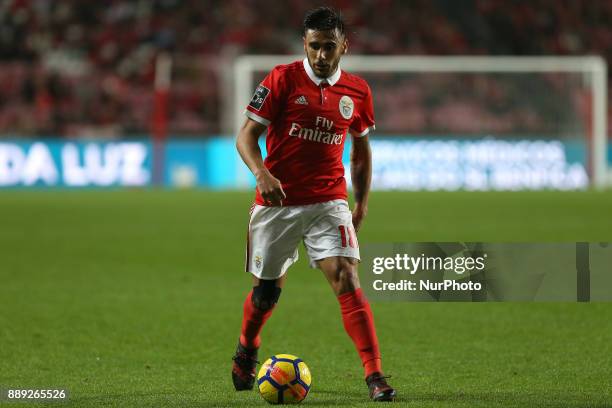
301,100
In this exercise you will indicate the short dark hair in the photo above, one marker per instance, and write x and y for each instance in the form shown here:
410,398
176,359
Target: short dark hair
323,19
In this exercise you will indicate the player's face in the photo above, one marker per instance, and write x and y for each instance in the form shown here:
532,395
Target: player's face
324,50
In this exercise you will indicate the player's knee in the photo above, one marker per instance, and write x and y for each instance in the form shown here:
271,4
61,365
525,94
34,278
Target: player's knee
265,294
346,277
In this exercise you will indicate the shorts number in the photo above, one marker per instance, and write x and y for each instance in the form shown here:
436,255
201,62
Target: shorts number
350,232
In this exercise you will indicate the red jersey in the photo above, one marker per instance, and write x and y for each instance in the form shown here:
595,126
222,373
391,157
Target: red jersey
308,119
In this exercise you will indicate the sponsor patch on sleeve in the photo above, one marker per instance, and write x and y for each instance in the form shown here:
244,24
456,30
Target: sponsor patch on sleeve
260,95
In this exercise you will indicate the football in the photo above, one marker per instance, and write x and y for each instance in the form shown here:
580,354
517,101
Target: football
284,379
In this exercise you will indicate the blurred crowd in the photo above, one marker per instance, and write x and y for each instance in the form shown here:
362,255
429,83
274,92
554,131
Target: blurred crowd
75,68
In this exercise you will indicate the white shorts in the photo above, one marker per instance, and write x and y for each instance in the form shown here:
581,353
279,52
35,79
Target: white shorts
275,233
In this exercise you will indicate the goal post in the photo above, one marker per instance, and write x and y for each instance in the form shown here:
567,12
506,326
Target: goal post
591,69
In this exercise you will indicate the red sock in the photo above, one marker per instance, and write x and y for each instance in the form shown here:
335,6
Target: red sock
359,324
253,320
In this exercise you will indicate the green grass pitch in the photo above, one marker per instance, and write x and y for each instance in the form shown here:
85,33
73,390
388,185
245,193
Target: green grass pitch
134,298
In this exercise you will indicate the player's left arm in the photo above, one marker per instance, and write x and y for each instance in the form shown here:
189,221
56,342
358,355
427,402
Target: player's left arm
361,175
361,156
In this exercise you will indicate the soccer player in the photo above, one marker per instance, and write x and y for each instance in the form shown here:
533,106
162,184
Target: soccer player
308,108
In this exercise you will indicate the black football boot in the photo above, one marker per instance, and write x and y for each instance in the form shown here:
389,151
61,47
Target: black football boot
379,389
243,369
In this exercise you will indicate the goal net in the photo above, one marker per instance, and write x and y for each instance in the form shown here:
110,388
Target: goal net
473,123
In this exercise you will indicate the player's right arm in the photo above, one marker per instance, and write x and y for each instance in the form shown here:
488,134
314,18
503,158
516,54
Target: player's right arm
247,144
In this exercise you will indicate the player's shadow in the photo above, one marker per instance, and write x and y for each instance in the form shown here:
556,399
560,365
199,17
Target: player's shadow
324,397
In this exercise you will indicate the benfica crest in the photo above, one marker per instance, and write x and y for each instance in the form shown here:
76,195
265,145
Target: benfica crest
346,107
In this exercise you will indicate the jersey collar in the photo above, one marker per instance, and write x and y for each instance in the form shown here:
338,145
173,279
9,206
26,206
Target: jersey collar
330,80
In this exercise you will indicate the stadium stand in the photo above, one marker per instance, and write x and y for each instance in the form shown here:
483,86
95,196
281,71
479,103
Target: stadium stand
85,69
